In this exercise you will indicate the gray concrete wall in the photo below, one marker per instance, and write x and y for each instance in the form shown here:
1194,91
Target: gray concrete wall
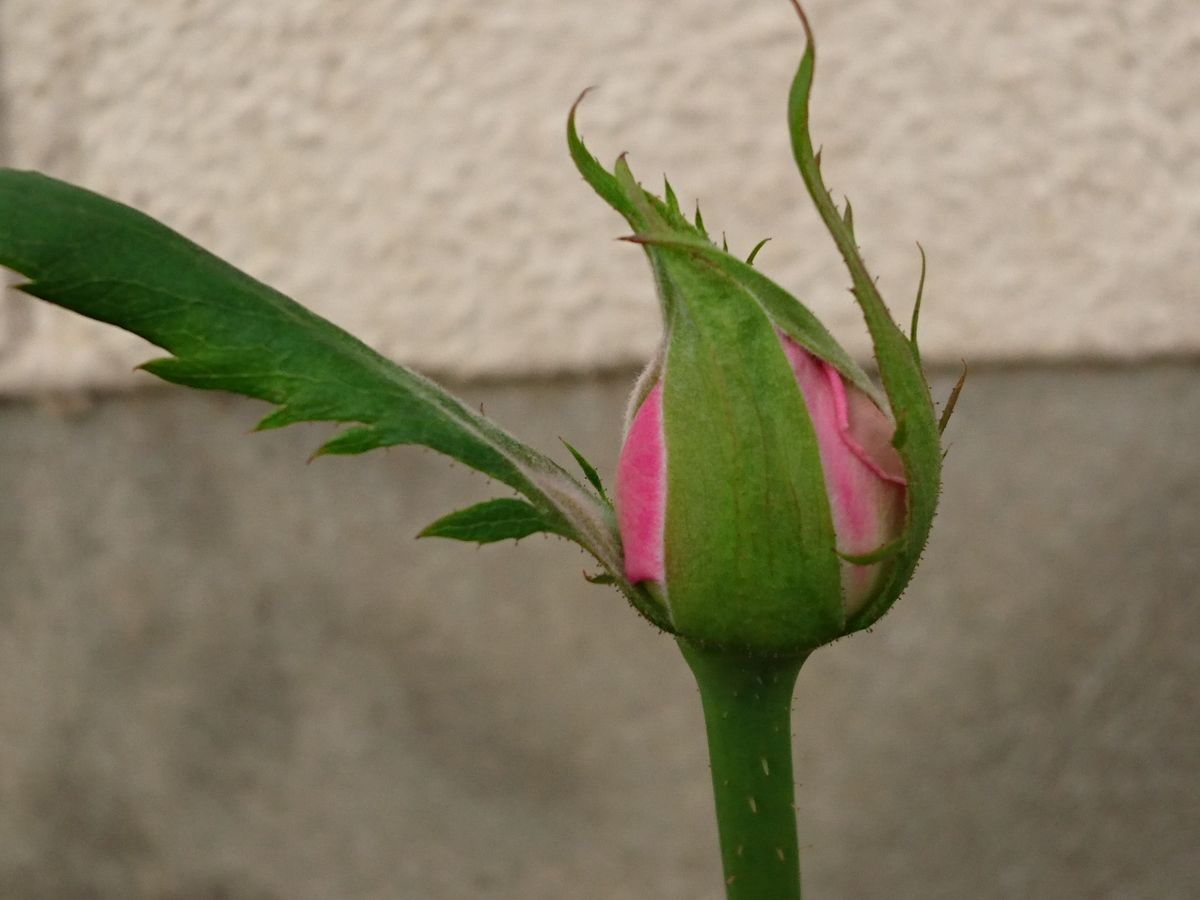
226,673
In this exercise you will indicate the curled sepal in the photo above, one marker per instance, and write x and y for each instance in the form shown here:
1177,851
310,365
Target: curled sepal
659,226
917,437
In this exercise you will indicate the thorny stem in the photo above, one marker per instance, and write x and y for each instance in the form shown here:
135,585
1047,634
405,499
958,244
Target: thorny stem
747,712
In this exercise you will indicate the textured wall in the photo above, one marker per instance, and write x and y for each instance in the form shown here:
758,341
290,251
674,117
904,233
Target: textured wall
229,675
400,165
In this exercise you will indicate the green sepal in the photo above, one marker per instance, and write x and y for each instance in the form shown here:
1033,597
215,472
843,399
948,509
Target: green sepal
600,179
589,471
917,440
502,519
916,313
659,224
952,400
741,477
669,196
788,314
639,208
754,253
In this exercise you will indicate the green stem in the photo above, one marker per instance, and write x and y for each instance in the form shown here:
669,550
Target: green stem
747,712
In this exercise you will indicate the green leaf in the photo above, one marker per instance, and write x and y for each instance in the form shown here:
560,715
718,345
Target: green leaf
227,331
494,520
899,365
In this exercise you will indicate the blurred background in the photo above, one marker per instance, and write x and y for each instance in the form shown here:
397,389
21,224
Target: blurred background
227,674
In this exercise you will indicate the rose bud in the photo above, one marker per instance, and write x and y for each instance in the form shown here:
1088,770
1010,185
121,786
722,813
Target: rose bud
863,477
770,497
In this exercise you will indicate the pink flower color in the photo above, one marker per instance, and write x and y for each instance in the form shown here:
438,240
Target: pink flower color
864,476
642,491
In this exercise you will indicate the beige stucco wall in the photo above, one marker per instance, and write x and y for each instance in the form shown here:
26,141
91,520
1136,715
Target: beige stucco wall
399,166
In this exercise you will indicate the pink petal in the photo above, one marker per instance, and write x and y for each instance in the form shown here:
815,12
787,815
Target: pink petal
642,492
864,476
